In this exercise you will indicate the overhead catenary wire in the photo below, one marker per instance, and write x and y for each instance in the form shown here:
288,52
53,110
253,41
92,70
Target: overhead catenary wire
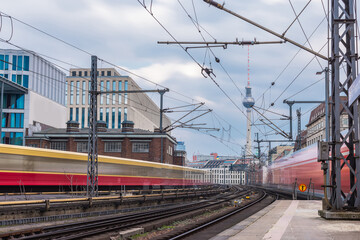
107,96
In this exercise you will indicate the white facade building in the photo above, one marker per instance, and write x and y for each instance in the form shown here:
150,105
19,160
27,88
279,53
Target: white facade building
222,175
44,103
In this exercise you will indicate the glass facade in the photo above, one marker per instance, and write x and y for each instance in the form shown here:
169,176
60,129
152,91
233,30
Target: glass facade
125,114
13,101
14,138
12,120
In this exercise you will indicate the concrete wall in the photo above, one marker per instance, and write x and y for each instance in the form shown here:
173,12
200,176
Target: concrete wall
46,111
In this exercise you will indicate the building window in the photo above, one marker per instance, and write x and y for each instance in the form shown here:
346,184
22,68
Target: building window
66,93
126,95
112,147
33,145
89,93
101,113
170,151
88,119
82,117
14,138
119,118
58,145
107,117
101,89
80,73
77,92
71,114
26,63
102,73
19,63
6,62
107,95
14,64
2,57
77,114
12,120
109,73
71,93
113,118
82,146
85,73
73,73
120,84
114,89
25,82
125,114
13,101
83,92
140,147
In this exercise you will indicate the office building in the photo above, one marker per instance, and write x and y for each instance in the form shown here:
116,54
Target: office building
33,95
113,108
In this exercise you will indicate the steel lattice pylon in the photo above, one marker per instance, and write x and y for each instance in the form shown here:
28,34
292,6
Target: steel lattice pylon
92,167
343,54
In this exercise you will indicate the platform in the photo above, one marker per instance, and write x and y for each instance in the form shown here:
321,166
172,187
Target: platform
287,219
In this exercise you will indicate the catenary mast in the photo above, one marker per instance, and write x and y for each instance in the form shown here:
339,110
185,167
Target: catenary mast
248,103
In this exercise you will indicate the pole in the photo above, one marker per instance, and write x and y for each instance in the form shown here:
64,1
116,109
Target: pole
290,118
161,126
92,168
327,127
269,156
1,110
298,113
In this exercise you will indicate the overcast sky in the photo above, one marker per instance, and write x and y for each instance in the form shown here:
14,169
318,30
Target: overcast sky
125,34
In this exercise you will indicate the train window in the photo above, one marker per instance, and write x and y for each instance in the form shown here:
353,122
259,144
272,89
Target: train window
112,146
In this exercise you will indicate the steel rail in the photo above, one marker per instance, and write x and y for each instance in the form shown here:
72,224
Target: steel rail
113,224
189,232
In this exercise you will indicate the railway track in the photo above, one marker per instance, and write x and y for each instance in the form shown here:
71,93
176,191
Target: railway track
111,224
201,229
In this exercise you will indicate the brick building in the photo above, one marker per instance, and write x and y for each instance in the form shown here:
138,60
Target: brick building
127,142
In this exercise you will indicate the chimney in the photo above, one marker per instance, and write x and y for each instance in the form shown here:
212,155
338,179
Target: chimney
101,126
72,126
127,126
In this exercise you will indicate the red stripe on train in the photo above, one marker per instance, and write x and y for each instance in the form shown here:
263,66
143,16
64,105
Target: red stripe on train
39,179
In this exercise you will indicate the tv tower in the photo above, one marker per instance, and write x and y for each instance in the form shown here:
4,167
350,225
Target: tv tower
248,102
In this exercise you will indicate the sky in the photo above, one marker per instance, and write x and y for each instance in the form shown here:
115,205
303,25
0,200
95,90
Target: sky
126,34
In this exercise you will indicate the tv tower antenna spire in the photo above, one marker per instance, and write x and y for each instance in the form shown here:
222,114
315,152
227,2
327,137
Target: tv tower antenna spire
248,103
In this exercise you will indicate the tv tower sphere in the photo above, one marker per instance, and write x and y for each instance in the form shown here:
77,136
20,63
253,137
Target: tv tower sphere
248,101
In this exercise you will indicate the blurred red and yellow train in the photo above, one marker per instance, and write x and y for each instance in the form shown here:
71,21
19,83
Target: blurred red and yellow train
38,168
299,167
